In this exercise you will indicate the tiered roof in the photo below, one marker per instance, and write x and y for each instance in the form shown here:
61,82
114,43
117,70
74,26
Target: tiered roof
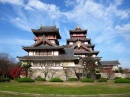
46,30
67,55
45,45
78,37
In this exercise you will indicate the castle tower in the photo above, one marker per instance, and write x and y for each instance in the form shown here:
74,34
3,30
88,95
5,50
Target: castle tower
46,54
82,45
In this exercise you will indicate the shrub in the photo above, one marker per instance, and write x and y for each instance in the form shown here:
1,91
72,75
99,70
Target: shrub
73,79
128,78
41,79
98,76
87,80
56,80
4,79
7,79
117,77
117,71
122,80
25,80
16,79
102,80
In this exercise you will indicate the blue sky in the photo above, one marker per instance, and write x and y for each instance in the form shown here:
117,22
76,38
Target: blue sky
107,21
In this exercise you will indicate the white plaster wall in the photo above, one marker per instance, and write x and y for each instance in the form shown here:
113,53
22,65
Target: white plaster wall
68,64
56,53
30,53
93,55
85,42
70,43
115,68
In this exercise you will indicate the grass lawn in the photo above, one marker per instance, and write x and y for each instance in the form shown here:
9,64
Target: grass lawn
65,88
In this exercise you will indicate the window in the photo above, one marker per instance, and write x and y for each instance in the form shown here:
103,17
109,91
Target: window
37,53
41,53
49,53
44,53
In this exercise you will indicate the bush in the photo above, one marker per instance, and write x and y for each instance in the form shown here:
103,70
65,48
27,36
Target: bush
98,76
87,80
73,79
128,78
16,79
117,71
102,80
4,79
25,80
56,80
122,80
117,77
41,79
7,79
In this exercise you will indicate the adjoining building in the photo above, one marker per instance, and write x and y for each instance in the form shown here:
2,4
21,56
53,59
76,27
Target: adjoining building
108,66
49,59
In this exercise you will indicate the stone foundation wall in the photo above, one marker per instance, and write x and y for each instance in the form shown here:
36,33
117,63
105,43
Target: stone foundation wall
112,76
63,74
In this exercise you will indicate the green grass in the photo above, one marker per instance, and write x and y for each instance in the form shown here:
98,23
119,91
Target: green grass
66,88
11,95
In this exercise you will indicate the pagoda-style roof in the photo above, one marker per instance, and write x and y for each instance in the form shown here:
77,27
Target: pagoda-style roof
43,44
78,30
87,45
43,47
85,52
84,40
66,56
47,30
112,62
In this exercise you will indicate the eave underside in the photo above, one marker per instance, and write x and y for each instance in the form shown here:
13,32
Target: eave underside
43,48
84,52
47,58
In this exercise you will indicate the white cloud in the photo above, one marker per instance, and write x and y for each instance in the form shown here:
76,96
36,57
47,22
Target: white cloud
119,48
15,42
16,2
123,30
125,62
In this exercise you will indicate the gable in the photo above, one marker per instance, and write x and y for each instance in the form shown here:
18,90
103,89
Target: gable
43,41
81,48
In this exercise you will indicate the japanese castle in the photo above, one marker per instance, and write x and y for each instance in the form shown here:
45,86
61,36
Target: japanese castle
50,60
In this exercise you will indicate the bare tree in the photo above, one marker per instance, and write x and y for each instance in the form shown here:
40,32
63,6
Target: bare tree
6,62
45,68
66,70
52,72
89,67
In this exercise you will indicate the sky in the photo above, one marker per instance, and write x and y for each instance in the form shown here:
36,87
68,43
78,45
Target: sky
107,23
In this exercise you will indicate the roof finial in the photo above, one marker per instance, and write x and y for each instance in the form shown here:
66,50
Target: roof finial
78,26
54,25
41,26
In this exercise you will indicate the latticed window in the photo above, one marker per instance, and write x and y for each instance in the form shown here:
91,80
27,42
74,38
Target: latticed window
49,52
41,53
45,53
37,53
